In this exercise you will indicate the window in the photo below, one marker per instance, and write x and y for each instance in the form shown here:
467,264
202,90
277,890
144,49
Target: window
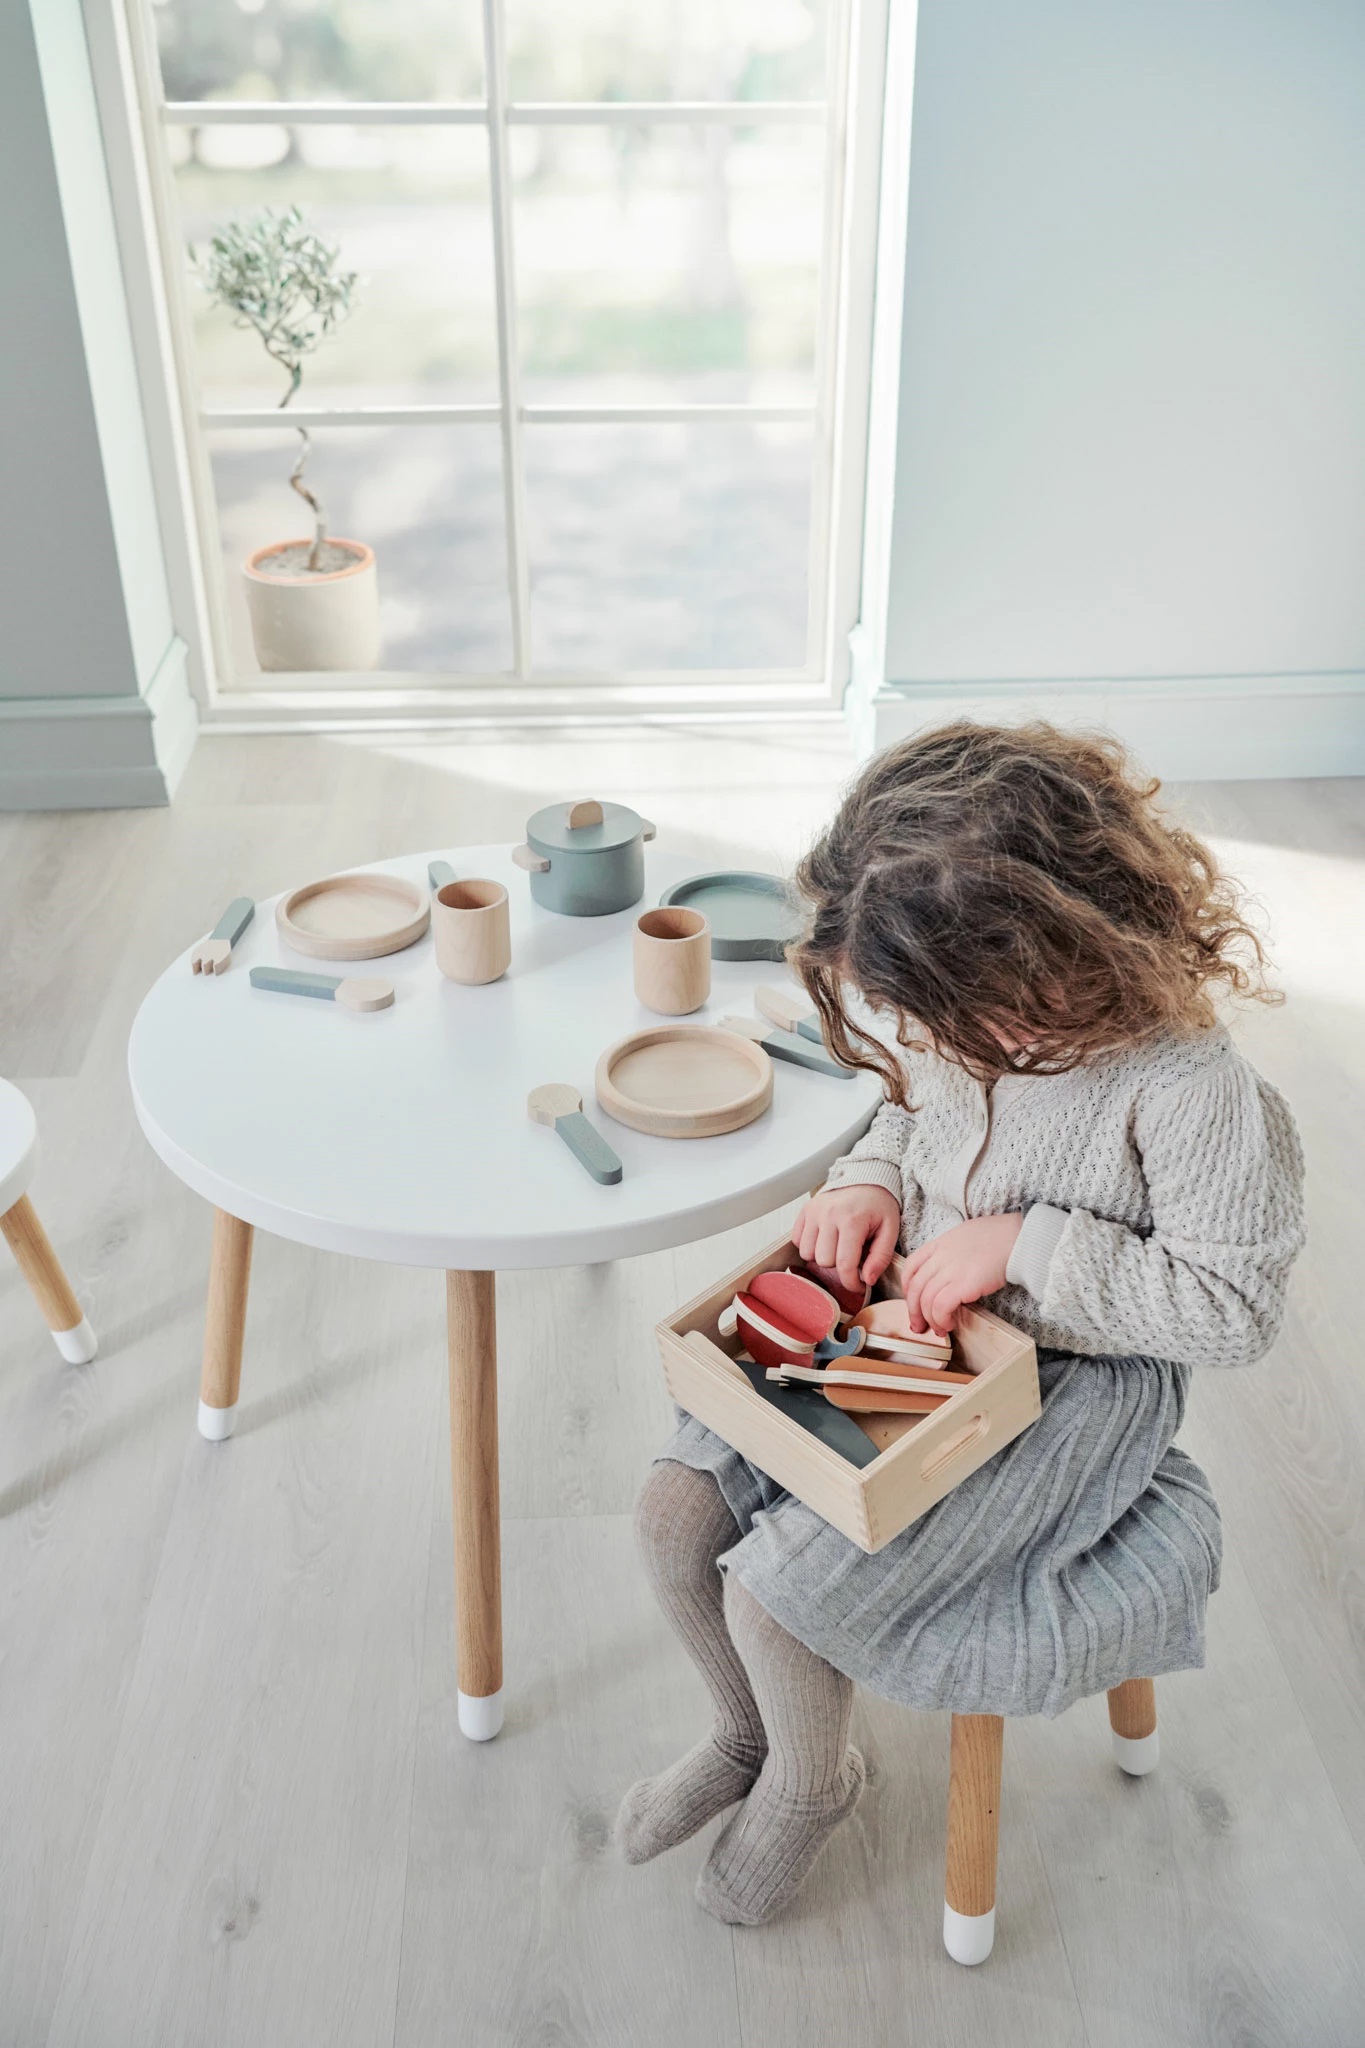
587,406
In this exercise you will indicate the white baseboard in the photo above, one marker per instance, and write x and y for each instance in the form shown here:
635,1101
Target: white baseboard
98,753
1184,729
175,715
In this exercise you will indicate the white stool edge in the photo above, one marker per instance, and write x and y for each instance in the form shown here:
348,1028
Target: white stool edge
1136,1754
968,1937
77,1345
217,1424
480,1717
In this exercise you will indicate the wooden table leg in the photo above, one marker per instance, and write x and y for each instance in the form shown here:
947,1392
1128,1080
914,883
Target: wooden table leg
42,1269
1133,1729
472,1342
973,1836
224,1324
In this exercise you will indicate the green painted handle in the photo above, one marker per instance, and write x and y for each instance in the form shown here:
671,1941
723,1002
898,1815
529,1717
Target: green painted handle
234,920
589,1147
289,981
784,1046
439,872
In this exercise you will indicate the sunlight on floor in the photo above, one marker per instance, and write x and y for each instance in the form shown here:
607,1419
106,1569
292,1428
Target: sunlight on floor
763,791
1309,900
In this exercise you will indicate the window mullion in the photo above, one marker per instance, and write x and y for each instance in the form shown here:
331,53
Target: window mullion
509,366
827,342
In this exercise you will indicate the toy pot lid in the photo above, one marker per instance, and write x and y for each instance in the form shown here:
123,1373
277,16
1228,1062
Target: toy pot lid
586,827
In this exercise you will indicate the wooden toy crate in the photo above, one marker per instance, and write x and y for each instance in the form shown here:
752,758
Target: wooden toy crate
921,1457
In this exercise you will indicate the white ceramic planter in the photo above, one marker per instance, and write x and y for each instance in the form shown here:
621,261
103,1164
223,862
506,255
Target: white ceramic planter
314,622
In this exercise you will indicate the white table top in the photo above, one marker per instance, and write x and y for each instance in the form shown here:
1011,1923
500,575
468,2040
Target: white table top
403,1135
18,1144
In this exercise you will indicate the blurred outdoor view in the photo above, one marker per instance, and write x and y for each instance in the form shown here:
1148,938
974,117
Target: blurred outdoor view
658,264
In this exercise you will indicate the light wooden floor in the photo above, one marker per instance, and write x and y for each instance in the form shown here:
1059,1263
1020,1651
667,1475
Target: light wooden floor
234,1808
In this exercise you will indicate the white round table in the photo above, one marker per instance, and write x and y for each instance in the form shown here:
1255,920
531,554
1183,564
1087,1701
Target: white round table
403,1135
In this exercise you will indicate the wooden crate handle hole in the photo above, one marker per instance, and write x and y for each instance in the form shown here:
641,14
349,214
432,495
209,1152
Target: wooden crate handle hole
955,1445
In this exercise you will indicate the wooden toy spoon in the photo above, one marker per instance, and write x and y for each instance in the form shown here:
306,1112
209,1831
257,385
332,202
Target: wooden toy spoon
561,1107
353,992
211,955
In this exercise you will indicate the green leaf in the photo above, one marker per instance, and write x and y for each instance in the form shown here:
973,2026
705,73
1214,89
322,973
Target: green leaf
273,274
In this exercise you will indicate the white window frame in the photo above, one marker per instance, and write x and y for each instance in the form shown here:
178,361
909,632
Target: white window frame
134,117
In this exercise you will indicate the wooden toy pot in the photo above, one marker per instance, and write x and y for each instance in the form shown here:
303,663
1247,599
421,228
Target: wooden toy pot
585,859
472,930
672,961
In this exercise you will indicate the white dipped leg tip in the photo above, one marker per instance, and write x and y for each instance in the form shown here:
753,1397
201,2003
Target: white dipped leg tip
217,1424
1136,1754
968,1937
77,1346
480,1718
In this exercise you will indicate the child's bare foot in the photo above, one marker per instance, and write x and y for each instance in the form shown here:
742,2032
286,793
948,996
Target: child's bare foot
766,1851
658,1813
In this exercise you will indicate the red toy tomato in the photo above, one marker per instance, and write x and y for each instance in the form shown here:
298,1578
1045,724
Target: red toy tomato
768,1336
807,1309
849,1299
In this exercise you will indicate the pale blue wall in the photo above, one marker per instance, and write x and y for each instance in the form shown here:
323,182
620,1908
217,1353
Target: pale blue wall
1131,434
101,300
95,707
64,630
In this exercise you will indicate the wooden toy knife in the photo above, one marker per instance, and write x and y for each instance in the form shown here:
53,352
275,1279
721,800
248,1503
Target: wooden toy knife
211,955
439,872
790,1012
561,1108
783,1046
876,1383
352,991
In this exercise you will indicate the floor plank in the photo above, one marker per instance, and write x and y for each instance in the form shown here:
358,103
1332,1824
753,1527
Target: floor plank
247,1874
233,1805
1218,1901
523,1925
860,1957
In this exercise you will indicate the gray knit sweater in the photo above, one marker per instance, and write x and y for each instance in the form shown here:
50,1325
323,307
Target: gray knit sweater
1163,1190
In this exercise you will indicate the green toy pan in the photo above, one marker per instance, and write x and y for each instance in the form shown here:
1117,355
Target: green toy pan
752,917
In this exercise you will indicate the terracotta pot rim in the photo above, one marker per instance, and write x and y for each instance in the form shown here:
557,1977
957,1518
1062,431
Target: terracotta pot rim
364,560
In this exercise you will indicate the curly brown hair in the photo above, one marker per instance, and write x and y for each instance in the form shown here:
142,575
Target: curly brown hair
1017,884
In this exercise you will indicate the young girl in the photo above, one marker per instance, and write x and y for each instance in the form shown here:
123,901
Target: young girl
1068,1136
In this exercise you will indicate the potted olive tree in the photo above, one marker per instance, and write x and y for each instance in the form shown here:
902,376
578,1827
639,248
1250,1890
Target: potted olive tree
314,603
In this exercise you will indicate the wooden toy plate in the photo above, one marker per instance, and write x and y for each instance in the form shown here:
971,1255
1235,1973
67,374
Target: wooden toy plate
353,917
752,917
681,1081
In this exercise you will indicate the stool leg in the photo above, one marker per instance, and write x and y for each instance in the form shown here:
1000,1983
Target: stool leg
472,1346
1133,1729
42,1269
224,1324
973,1836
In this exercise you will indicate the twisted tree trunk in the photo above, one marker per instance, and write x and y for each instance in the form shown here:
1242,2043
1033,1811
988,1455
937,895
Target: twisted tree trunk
296,474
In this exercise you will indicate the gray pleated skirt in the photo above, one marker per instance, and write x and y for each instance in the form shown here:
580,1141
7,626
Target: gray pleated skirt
1081,1555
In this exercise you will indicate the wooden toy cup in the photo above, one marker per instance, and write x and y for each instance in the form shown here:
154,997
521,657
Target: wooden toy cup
672,960
472,929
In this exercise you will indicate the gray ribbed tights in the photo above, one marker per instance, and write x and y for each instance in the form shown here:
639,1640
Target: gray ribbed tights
780,1734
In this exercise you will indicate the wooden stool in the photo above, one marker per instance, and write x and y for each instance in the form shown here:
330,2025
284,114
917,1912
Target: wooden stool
27,1239
974,1808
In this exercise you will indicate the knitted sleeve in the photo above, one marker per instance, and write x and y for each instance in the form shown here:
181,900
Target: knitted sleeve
878,1161
1224,1171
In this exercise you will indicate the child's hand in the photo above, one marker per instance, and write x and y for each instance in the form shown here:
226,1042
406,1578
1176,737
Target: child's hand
834,1227
960,1265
